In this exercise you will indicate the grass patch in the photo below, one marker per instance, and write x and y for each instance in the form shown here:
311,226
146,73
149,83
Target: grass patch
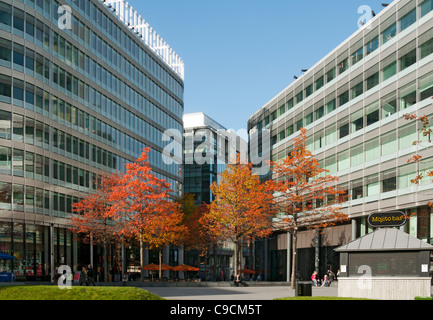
318,298
76,293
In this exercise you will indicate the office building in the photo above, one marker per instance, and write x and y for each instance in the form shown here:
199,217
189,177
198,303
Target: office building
84,87
353,102
208,148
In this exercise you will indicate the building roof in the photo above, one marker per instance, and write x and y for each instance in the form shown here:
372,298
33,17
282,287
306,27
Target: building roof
386,239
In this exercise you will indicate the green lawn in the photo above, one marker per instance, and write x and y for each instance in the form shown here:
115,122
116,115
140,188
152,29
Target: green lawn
76,293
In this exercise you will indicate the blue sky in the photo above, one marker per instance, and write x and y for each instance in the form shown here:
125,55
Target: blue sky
239,54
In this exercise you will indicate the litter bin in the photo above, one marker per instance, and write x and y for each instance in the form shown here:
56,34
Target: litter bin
303,289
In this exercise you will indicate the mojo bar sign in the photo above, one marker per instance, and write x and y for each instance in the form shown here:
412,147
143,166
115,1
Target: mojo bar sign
387,219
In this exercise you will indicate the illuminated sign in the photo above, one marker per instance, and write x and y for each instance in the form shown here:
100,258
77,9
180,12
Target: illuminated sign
387,219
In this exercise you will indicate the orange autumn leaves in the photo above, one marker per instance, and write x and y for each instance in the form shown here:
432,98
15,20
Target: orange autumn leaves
138,205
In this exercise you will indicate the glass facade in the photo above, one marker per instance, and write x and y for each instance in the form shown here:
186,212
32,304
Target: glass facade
75,102
358,131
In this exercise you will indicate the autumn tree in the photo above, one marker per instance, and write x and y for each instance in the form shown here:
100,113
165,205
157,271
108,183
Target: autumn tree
242,209
305,196
93,217
144,206
199,238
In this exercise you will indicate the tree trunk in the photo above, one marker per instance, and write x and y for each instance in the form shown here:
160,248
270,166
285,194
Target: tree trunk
160,263
141,259
294,247
105,262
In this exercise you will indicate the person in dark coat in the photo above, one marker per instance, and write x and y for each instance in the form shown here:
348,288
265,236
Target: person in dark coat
91,275
83,276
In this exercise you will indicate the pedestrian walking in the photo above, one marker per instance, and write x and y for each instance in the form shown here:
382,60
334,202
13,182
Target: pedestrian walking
91,276
83,276
314,278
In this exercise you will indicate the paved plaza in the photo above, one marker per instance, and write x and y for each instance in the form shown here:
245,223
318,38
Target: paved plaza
234,293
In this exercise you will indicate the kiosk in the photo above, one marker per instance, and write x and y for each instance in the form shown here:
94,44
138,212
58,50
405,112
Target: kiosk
387,264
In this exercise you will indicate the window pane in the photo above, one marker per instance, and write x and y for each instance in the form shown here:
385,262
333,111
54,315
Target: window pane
389,143
426,48
408,59
426,7
389,70
389,33
408,20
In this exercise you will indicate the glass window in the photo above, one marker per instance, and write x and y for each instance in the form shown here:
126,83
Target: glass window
5,124
372,150
372,185
357,120
331,134
18,127
372,113
426,7
299,97
406,136
18,162
408,20
319,141
331,106
372,81
5,50
389,180
299,124
5,14
343,127
389,33
426,48
343,160
357,55
319,83
407,96
357,155
309,119
290,104
330,75
5,160
19,19
5,86
357,189
343,66
389,70
389,105
408,59
282,109
426,86
331,164
372,45
343,98
405,175
309,90
320,112
357,90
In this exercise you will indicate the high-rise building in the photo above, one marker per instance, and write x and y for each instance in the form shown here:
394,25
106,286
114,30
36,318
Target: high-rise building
353,102
208,148
84,87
